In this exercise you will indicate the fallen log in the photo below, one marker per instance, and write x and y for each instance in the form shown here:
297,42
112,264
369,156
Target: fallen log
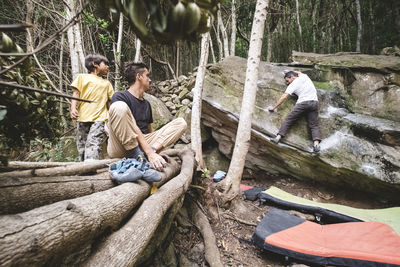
45,235
23,194
69,169
125,246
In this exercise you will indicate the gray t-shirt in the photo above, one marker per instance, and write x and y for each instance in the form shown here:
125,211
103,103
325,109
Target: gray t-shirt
304,88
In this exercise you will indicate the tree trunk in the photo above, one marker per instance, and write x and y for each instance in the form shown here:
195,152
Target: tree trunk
124,247
138,45
396,12
60,78
231,183
269,45
359,26
221,26
29,21
233,33
372,30
117,82
196,109
299,26
219,43
74,40
22,194
177,59
212,49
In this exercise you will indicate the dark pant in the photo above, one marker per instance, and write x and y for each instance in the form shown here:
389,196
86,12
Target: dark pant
308,108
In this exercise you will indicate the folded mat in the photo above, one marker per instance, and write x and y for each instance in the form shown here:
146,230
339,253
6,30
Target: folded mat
345,244
331,212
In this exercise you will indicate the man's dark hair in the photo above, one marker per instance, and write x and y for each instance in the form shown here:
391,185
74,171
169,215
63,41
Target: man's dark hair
289,74
92,59
132,69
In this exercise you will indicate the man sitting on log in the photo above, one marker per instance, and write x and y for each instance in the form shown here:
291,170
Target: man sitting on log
130,118
307,104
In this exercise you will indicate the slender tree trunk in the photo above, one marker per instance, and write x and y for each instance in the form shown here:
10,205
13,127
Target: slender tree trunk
372,30
60,77
233,33
320,29
314,26
232,181
219,42
177,59
299,26
138,45
117,82
225,41
212,50
74,40
28,19
269,45
397,20
359,26
196,110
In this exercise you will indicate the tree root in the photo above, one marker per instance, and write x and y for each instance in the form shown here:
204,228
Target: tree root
233,217
125,246
69,169
211,250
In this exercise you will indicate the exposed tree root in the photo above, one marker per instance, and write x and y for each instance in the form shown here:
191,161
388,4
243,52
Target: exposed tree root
125,246
211,250
70,169
22,194
45,235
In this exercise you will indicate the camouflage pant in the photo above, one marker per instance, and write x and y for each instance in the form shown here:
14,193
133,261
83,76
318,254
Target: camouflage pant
89,139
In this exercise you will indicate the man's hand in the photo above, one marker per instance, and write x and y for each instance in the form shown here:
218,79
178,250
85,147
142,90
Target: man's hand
157,161
271,109
74,113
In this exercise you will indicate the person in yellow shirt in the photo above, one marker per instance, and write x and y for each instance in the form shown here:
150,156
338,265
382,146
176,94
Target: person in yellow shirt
91,117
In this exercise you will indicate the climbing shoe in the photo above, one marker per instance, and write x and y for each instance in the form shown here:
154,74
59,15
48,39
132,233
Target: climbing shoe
149,173
316,148
274,140
125,170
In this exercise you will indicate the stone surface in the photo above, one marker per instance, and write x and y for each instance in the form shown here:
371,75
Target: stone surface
369,83
358,150
161,114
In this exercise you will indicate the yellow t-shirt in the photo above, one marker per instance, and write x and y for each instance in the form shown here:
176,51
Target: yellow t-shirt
96,89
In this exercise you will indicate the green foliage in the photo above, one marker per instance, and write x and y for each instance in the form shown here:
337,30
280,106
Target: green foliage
205,173
105,36
29,115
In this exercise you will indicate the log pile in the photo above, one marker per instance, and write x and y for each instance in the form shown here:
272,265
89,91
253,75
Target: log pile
54,213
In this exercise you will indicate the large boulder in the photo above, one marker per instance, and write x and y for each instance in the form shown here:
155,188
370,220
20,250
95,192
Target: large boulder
360,147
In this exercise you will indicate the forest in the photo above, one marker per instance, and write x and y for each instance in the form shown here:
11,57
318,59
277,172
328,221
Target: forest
319,26
218,64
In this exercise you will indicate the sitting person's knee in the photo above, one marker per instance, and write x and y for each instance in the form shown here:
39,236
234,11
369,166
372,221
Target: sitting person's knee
181,123
119,107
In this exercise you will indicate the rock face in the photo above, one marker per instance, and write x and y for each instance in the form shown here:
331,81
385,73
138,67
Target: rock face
359,119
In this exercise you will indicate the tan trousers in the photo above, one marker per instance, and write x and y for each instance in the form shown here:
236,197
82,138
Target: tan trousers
122,136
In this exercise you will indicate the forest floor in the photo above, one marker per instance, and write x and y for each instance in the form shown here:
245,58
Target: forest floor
233,229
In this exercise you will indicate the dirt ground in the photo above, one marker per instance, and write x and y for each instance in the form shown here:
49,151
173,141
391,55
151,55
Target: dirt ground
233,229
